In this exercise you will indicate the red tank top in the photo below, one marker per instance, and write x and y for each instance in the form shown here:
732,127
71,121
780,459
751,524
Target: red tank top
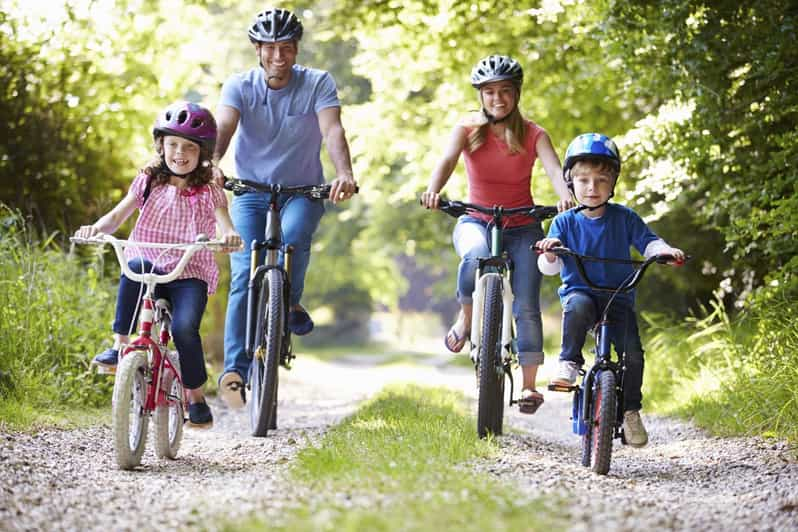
497,177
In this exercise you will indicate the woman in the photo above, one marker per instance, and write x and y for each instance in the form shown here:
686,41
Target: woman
500,148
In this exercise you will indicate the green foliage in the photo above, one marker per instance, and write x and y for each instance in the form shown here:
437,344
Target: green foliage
400,459
50,312
733,375
733,64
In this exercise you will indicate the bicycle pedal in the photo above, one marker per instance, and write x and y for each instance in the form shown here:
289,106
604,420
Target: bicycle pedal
562,388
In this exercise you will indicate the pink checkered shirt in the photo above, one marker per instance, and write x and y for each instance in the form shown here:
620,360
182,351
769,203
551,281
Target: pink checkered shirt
171,215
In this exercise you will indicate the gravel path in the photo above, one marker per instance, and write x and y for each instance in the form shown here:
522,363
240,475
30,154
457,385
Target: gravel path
684,480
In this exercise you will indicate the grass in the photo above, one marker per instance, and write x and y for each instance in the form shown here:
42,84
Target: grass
402,463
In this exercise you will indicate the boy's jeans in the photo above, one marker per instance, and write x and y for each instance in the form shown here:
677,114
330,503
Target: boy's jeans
188,298
472,241
581,310
300,218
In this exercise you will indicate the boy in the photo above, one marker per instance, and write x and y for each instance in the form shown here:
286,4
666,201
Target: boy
602,229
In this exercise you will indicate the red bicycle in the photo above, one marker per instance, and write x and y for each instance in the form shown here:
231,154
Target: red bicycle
148,379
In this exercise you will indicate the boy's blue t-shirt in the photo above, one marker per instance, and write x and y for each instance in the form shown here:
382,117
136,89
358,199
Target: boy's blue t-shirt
609,236
278,139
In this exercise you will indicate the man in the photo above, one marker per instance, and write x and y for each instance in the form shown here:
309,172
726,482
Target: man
282,112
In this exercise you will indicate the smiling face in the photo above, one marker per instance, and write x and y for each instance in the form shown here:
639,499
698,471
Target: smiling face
181,155
499,98
593,184
277,59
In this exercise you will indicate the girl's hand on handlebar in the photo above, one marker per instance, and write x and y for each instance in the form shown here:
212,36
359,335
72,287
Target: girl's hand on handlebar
232,241
430,200
87,231
218,176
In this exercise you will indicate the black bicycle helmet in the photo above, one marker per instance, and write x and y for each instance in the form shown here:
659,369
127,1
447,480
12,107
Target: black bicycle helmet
497,68
275,25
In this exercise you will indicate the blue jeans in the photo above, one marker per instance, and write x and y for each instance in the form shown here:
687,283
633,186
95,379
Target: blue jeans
472,241
581,310
300,218
188,298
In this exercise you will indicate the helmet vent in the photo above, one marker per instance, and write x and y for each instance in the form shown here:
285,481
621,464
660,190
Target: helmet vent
197,122
181,117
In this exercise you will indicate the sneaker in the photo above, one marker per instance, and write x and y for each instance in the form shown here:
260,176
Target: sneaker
566,373
199,415
633,429
299,322
231,390
107,360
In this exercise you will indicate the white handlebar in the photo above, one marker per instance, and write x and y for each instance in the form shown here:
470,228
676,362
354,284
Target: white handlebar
188,248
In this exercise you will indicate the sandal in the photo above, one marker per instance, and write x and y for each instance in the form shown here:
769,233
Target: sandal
459,341
530,401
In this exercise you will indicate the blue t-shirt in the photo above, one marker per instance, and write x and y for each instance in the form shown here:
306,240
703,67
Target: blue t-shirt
609,236
278,139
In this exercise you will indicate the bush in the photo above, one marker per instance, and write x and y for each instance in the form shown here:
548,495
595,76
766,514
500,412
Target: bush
51,320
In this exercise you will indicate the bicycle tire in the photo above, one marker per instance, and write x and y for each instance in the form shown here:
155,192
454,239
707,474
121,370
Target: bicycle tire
169,417
265,363
489,407
129,418
605,404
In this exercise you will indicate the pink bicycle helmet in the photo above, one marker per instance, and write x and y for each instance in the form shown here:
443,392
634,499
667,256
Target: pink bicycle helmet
188,120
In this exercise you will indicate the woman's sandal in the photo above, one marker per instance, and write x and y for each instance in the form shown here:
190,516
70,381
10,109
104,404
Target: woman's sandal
459,341
530,401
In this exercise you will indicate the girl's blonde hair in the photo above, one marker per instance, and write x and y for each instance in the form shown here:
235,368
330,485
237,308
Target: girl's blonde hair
514,133
159,175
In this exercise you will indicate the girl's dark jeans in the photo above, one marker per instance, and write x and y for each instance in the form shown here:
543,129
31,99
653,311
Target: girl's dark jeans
188,298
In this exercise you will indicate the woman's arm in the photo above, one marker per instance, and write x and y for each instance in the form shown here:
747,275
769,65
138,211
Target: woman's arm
443,170
111,221
551,164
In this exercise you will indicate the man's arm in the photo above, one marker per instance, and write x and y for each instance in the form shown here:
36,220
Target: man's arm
343,186
226,124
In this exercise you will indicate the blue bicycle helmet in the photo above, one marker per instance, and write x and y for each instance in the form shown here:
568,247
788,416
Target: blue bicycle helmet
591,146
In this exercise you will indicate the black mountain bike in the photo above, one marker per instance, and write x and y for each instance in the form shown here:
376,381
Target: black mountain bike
493,346
268,339
597,412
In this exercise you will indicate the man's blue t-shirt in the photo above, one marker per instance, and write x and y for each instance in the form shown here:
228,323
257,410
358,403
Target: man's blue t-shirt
278,139
609,236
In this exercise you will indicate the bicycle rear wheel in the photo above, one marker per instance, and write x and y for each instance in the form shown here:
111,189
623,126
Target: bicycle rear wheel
169,417
490,410
128,409
602,422
268,343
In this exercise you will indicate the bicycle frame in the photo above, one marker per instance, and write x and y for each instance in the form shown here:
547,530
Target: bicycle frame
500,358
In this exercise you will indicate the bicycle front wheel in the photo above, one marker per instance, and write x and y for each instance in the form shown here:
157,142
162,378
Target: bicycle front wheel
490,410
128,412
602,425
265,363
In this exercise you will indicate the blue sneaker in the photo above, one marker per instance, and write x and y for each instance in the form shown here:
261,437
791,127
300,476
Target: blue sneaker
199,415
107,360
299,322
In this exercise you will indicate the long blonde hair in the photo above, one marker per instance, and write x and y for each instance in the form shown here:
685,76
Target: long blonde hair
514,133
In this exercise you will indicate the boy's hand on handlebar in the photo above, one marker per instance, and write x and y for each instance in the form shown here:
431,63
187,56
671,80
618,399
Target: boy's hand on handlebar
430,200
342,188
677,256
547,243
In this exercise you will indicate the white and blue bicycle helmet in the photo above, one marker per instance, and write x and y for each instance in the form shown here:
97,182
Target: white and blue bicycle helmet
593,146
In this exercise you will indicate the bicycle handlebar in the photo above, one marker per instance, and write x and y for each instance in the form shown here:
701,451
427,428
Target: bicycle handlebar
456,209
189,249
629,284
242,186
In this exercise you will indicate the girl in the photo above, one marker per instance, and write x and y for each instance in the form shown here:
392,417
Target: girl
177,201
500,147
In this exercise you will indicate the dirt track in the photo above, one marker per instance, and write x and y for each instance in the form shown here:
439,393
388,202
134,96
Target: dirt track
684,480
